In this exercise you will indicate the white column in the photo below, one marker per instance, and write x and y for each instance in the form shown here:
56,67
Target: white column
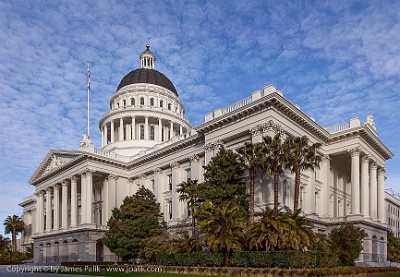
133,127
112,194
160,129
83,198
121,129
171,129
89,196
311,193
365,186
74,202
325,191
105,135
381,195
64,203
40,212
180,130
146,127
48,210
105,215
112,131
56,207
374,192
175,199
355,181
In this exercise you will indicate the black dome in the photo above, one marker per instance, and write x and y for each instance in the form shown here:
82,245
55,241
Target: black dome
147,76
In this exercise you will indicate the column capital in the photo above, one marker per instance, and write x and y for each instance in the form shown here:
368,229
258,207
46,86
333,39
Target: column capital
365,159
130,180
325,158
355,152
112,177
158,170
65,182
194,158
382,170
373,166
88,171
256,131
74,179
56,186
143,176
174,165
49,189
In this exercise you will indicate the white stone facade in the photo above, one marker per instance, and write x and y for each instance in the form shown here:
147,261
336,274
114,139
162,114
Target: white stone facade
148,142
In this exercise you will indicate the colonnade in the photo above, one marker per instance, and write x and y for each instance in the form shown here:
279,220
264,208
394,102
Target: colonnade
48,215
140,128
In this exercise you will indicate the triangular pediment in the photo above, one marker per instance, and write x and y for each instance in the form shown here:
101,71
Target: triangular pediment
54,160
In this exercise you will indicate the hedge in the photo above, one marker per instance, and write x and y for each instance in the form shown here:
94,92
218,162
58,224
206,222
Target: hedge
273,259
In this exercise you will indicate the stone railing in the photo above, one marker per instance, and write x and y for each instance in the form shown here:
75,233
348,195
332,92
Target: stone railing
355,122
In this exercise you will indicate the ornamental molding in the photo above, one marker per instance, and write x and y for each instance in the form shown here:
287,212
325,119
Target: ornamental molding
55,162
325,158
381,170
262,128
112,177
365,159
130,180
373,166
74,179
213,146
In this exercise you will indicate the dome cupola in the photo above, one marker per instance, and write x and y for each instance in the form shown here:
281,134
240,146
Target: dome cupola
147,58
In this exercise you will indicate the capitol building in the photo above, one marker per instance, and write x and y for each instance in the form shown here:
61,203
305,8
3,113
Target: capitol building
147,141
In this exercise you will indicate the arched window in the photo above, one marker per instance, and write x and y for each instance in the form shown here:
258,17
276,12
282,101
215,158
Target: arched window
141,131
141,101
152,102
152,132
169,106
132,101
161,103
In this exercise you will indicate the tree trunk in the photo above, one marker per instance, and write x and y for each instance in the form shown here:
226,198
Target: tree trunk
296,188
193,224
251,215
276,188
226,257
14,240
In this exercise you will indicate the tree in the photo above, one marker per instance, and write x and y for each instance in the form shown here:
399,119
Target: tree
274,158
188,192
223,180
393,247
132,224
250,156
346,242
301,156
14,225
223,228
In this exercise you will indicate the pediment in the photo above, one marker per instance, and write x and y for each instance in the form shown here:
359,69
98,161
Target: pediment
53,161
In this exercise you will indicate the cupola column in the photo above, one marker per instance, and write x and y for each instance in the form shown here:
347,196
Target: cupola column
171,130
160,129
121,129
180,130
146,127
112,131
105,135
133,128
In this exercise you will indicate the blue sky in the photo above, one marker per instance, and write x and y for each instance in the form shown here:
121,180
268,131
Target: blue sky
336,59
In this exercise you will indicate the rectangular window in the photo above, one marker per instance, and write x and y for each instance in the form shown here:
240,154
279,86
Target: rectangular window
170,182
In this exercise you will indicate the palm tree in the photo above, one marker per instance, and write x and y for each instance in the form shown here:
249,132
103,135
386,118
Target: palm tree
188,192
301,156
250,157
273,150
223,228
301,235
14,225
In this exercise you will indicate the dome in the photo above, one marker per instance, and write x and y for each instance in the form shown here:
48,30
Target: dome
147,76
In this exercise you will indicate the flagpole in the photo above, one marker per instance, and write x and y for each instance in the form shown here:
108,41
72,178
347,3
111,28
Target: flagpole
88,100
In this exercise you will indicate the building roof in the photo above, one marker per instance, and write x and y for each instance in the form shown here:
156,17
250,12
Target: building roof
147,76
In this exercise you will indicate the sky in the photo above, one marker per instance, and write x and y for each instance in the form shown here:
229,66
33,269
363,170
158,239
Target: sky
337,60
